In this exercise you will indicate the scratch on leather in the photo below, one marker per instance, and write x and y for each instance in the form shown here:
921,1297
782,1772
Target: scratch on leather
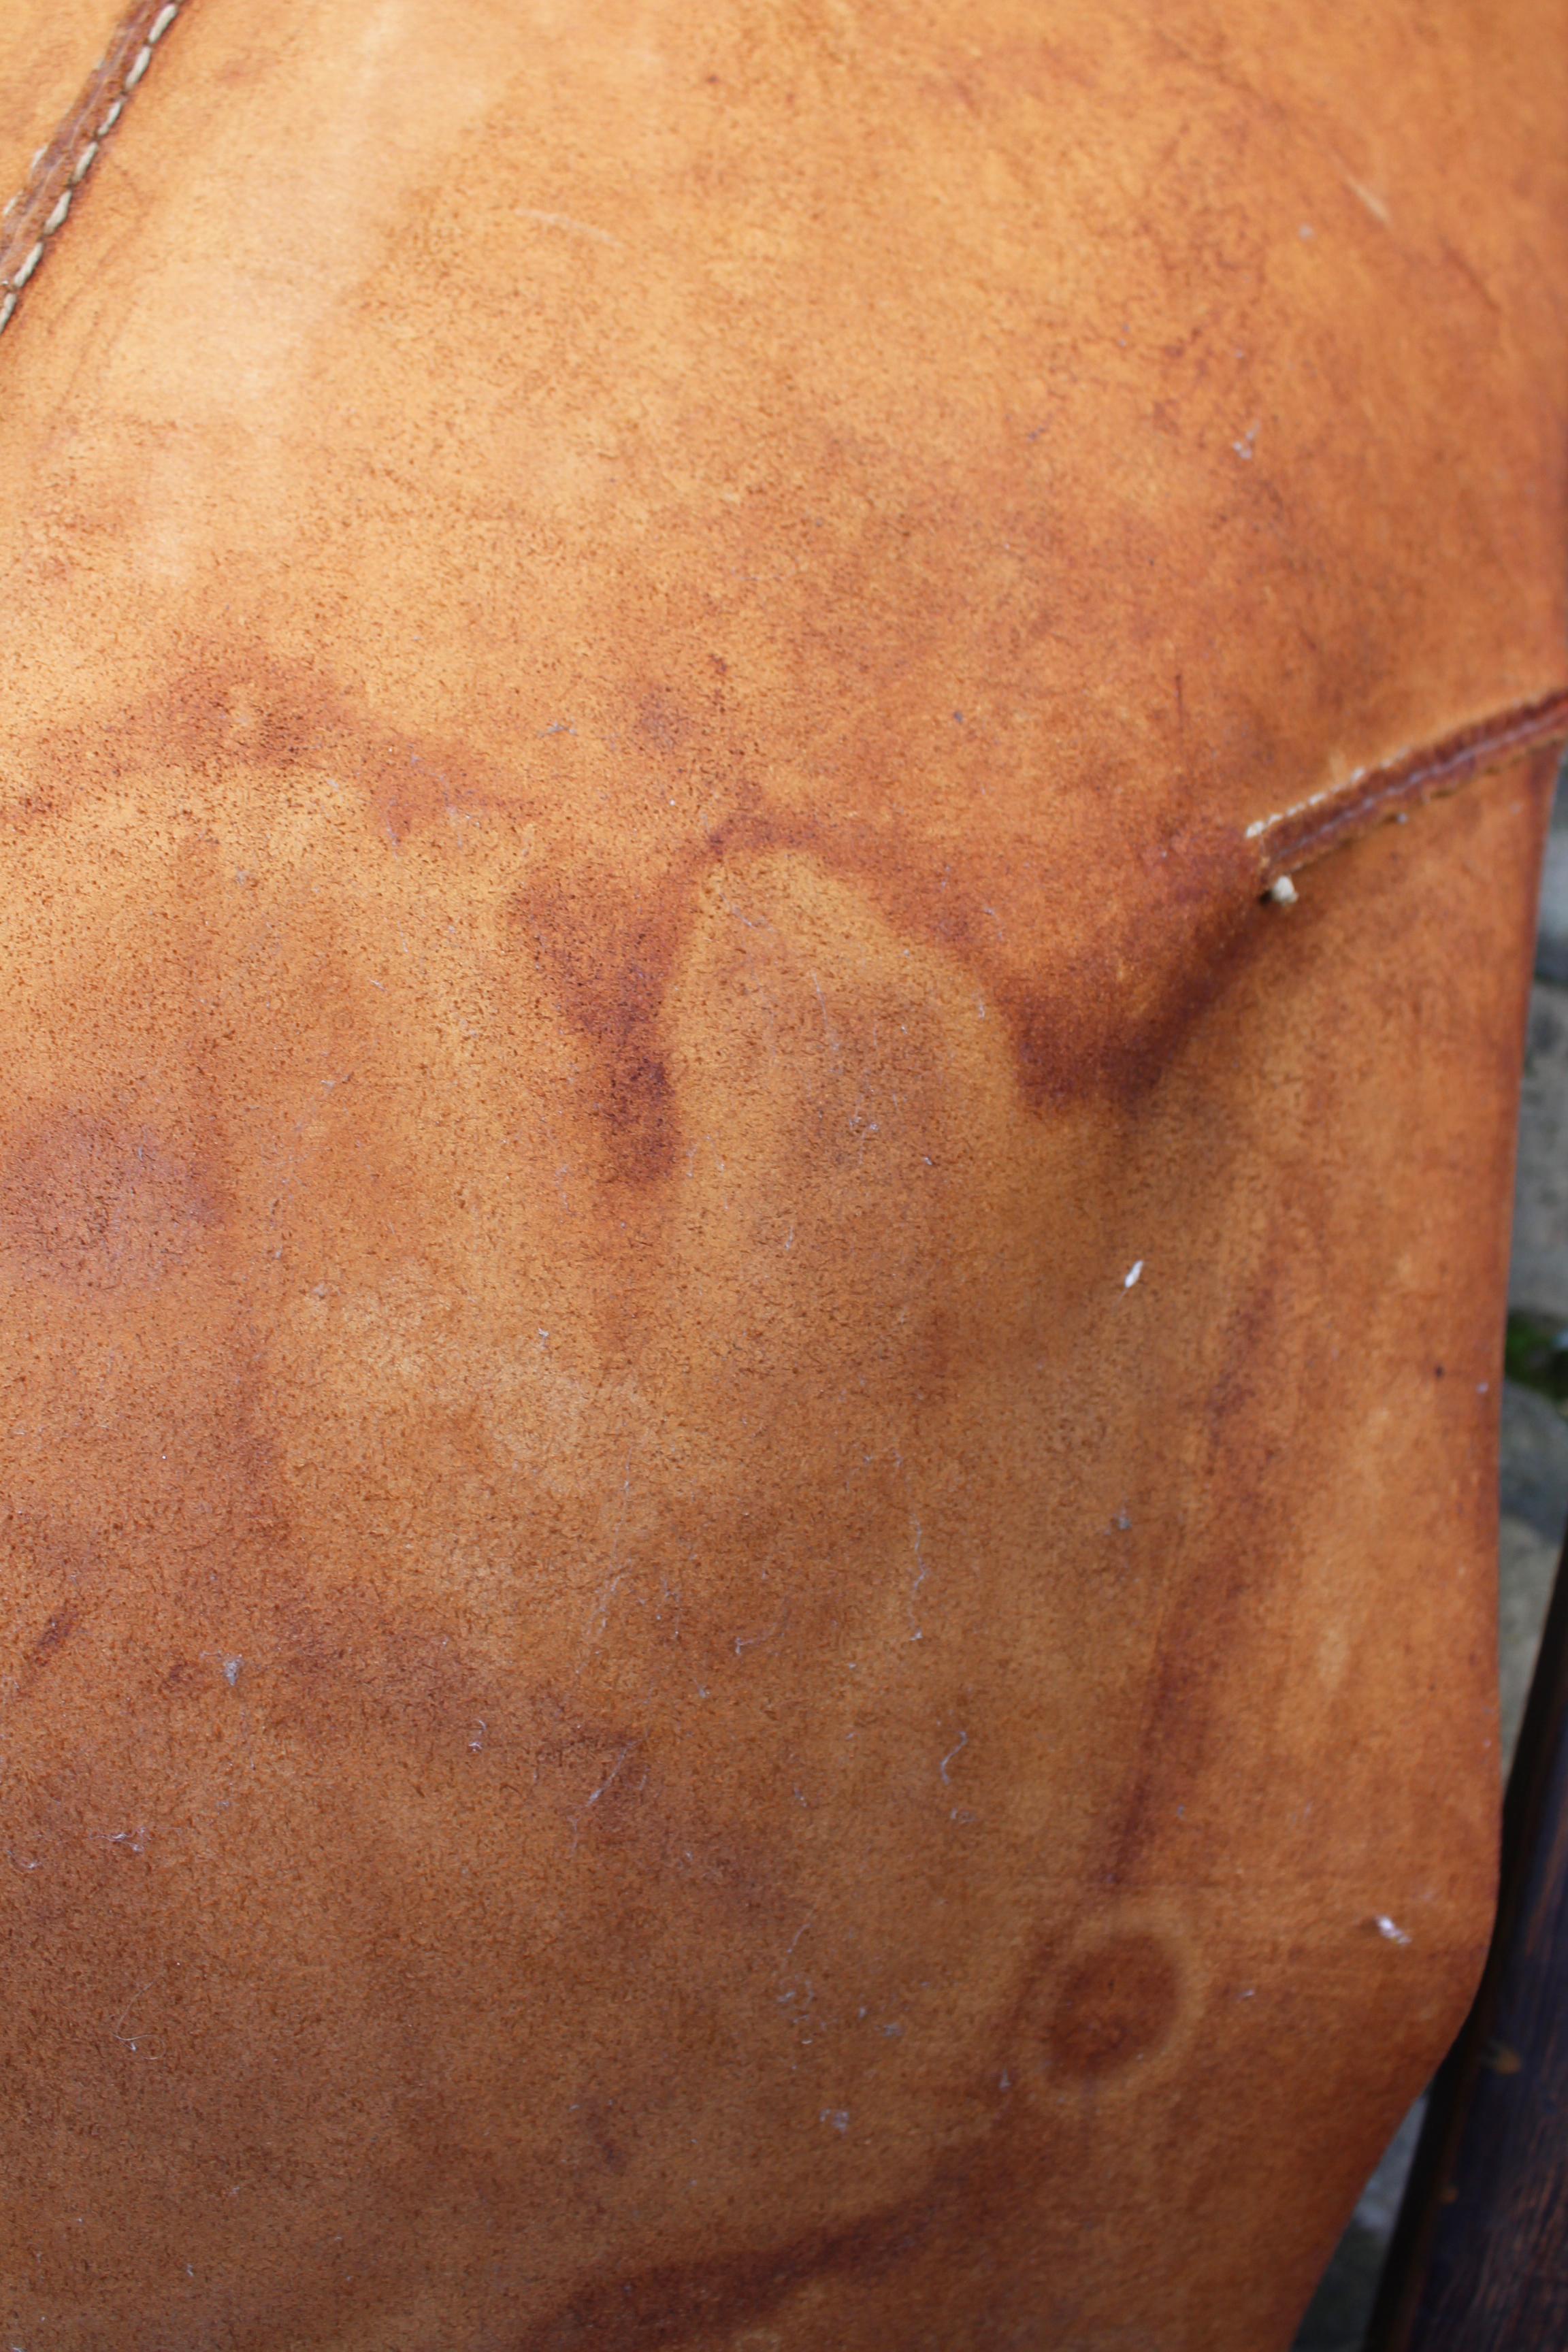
1341,812
40,211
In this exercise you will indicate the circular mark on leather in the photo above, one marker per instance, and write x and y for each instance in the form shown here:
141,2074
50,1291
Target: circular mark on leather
1117,2006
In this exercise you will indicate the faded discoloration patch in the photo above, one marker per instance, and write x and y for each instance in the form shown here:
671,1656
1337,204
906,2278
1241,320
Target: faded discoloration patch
1092,993
670,1547
605,954
658,823
92,1204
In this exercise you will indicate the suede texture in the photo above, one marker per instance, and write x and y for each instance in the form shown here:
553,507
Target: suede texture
46,49
749,1441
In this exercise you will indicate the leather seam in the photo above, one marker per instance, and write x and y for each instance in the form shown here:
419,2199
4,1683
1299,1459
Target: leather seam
36,214
1342,812
1297,837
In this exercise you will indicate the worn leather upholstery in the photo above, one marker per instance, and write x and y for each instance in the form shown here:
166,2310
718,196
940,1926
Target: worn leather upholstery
747,1436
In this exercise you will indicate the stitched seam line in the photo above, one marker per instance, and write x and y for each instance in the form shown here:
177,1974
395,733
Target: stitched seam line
1342,812
1295,837
35,217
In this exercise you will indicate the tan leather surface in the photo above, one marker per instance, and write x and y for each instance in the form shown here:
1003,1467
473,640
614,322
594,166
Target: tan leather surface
46,48
644,1705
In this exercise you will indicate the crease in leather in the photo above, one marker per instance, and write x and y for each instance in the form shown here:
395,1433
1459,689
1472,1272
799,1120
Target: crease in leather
36,216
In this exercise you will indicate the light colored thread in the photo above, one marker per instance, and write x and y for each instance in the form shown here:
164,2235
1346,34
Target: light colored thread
1390,788
1315,800
41,209
565,220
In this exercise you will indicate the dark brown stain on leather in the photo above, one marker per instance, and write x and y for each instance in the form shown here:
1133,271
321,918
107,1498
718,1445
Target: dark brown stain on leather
1115,968
1111,972
605,957
670,2304
1091,988
938,2230
1223,1593
1117,2006
62,1623
1176,922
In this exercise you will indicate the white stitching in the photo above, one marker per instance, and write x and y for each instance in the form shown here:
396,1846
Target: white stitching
41,208
1314,799
1392,787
